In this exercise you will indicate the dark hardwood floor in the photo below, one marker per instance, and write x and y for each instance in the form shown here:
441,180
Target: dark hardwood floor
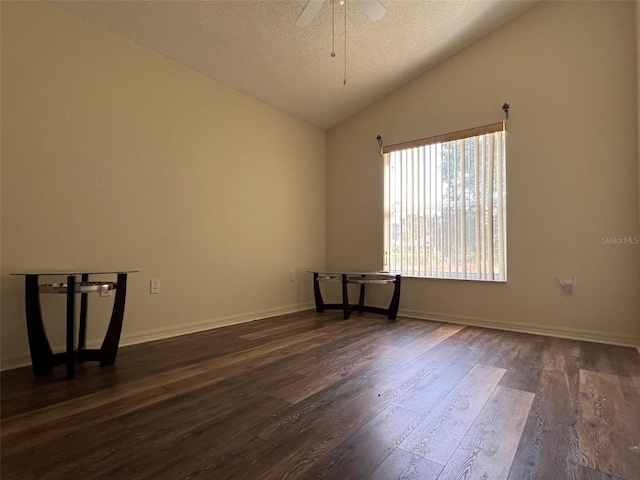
312,396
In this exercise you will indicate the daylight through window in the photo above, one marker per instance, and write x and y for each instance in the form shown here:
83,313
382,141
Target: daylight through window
445,206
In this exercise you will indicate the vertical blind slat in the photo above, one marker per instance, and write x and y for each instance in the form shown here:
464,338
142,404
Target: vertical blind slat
490,178
456,210
478,209
463,207
416,231
402,220
502,228
430,209
385,240
446,194
439,209
422,238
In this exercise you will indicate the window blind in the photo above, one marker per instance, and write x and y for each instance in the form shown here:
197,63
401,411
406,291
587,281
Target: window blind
445,205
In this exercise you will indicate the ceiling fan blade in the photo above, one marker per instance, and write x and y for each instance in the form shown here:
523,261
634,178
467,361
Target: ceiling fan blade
373,8
309,12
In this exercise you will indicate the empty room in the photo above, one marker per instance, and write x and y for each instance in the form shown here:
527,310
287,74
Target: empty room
320,239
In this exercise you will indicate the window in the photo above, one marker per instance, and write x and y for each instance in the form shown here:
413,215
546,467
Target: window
445,206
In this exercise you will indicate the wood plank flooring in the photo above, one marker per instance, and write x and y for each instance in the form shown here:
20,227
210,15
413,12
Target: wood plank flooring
313,396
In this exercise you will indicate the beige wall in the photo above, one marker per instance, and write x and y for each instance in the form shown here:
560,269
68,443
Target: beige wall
116,157
566,69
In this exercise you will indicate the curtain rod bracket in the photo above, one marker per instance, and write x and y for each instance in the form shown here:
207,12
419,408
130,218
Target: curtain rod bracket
505,108
379,139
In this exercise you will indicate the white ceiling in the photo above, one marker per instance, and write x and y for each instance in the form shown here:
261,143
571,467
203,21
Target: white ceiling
255,46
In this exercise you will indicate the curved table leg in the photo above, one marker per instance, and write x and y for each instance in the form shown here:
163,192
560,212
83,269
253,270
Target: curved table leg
361,300
317,295
395,300
109,348
71,326
345,298
82,330
41,354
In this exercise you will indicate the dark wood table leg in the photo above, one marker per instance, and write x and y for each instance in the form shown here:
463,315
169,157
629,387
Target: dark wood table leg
361,301
41,354
317,294
345,298
109,348
395,300
82,329
71,327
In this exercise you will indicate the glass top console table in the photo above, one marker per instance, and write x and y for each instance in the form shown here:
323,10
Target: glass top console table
42,357
362,279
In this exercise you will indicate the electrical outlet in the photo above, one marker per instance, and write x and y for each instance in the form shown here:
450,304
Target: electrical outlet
154,286
292,276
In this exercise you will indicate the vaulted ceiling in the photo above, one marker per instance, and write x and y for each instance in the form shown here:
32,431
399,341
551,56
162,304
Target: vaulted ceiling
255,46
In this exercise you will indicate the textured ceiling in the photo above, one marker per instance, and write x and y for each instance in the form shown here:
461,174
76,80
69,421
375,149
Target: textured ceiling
255,46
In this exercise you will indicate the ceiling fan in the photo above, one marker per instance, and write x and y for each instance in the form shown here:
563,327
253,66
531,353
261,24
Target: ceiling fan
373,9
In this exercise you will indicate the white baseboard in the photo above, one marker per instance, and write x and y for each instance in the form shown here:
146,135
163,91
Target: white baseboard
535,329
11,362
24,359
532,328
185,329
